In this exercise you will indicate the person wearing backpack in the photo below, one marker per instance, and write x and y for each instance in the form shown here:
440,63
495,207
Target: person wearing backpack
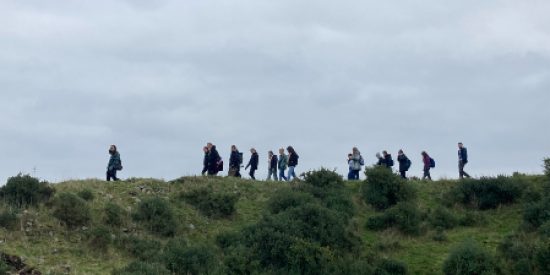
356,162
388,159
404,164
214,160
381,160
235,161
428,164
282,164
292,162
205,160
253,163
114,165
272,163
462,160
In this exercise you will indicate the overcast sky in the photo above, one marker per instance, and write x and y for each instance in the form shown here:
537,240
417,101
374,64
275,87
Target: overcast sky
162,78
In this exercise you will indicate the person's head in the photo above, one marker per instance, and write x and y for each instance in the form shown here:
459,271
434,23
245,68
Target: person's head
355,150
400,152
209,145
233,148
205,149
270,153
281,151
112,149
378,155
460,145
424,153
290,150
385,153
252,150
350,155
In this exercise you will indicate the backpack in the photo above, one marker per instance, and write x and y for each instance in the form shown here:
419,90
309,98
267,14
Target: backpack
219,164
362,161
240,158
119,167
408,164
390,162
432,163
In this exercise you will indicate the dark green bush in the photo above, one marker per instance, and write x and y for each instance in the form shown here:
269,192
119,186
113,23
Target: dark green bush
211,204
439,235
180,258
393,267
514,248
142,268
442,218
471,218
404,216
24,190
487,193
536,214
86,195
71,210
542,258
544,229
383,189
469,258
141,249
157,215
4,268
100,239
324,178
8,219
114,214
340,202
286,199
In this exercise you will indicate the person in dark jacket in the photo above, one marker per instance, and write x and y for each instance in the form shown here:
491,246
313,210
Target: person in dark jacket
205,160
235,161
381,160
387,159
272,163
404,163
462,160
292,162
114,165
427,165
283,164
253,163
213,160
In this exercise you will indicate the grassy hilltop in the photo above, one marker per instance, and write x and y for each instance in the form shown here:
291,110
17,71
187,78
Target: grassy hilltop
323,225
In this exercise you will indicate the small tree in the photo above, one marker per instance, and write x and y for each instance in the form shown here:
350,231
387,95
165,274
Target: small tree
72,210
383,189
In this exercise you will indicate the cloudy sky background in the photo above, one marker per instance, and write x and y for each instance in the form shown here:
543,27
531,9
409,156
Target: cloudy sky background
162,78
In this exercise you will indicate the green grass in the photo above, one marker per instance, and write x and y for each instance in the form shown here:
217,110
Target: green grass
52,249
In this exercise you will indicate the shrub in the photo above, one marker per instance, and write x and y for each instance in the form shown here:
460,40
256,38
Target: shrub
141,249
114,214
210,204
404,216
443,218
393,267
183,259
286,199
536,214
544,229
24,190
86,195
542,258
487,193
324,178
157,215
469,258
4,268
71,210
471,219
8,219
340,202
100,239
383,189
142,268
440,236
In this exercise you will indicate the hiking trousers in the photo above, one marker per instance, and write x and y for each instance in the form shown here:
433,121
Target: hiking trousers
461,171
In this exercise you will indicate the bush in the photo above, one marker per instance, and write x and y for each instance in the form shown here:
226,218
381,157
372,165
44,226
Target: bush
536,214
324,178
383,189
393,267
404,216
471,219
544,229
443,218
210,204
142,249
23,190
157,215
440,236
286,199
71,210
542,258
487,193
142,268
8,220
114,214
183,259
4,268
469,258
100,239
86,195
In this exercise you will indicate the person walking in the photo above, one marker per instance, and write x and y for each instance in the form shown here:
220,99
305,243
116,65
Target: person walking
404,164
427,160
205,161
114,165
213,160
272,163
387,159
381,160
253,163
235,161
462,160
356,162
282,164
292,162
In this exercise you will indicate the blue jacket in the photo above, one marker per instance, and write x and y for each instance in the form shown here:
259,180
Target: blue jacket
463,155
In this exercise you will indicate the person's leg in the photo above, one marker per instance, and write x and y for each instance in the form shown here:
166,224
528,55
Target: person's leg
356,175
464,172
108,175
282,175
429,175
290,172
350,174
426,173
403,174
252,172
275,174
113,174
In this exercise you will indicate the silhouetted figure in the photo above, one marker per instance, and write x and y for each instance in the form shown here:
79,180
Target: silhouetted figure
282,164
272,163
235,161
292,162
115,164
462,160
356,161
253,163
427,165
404,163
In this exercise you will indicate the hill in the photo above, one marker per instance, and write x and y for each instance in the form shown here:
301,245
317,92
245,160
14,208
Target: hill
320,225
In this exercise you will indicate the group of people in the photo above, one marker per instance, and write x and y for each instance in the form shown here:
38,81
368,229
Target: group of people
356,161
277,165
